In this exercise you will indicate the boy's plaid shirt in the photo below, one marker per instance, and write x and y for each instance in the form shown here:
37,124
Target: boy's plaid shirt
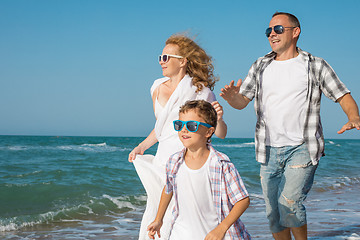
226,185
321,79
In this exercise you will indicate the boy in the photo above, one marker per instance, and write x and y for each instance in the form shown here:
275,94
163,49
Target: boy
208,192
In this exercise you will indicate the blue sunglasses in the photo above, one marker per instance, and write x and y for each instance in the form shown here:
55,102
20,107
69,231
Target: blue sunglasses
191,126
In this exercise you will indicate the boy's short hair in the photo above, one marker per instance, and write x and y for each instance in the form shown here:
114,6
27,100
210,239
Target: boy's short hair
203,108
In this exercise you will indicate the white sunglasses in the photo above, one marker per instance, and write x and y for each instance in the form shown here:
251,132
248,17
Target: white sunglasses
166,57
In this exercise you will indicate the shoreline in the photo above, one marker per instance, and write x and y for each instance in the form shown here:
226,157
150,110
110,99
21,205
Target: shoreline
324,222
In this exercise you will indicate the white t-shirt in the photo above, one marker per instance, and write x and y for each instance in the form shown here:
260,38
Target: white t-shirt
284,101
197,213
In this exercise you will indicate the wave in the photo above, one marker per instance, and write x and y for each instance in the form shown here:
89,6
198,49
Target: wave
329,143
126,202
27,174
331,183
105,205
95,145
236,145
87,147
353,236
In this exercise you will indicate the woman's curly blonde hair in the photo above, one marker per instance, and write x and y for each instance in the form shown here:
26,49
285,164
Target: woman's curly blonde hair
199,64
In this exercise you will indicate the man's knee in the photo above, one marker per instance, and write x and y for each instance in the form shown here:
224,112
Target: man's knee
292,211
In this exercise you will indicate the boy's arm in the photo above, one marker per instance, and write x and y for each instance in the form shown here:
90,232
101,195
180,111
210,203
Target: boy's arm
239,208
155,226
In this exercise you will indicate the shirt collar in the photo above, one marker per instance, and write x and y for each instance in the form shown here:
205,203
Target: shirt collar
219,156
213,153
305,55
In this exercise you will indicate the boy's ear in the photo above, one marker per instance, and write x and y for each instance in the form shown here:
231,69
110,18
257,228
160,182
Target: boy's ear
210,132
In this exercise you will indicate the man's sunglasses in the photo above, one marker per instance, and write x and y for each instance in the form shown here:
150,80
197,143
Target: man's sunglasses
191,126
166,57
278,29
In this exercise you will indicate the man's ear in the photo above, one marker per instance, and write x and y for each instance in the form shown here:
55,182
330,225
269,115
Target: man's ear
297,32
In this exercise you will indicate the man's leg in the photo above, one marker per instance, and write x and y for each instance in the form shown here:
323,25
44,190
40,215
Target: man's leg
271,174
283,235
298,179
300,233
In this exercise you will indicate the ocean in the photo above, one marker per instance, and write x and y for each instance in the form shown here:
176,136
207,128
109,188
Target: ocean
85,188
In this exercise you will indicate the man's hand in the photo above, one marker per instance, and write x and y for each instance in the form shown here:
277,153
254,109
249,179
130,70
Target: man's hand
231,94
350,125
351,110
231,90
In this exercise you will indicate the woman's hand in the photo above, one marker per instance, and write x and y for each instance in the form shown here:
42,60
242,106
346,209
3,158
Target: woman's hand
218,109
143,146
134,152
221,128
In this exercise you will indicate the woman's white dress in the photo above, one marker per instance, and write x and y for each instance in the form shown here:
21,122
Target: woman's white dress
151,169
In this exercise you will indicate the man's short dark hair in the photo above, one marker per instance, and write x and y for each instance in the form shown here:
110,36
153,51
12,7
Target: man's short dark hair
293,20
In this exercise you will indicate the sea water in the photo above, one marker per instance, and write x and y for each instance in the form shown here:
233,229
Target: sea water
85,188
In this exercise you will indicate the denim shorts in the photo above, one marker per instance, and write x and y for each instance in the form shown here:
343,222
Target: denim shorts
286,178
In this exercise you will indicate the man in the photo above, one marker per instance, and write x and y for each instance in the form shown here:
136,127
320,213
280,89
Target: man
287,85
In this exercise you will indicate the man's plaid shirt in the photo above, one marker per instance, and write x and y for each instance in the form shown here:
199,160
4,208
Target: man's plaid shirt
226,185
321,79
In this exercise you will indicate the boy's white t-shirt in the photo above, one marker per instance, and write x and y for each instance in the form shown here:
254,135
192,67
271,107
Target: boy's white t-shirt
284,88
197,213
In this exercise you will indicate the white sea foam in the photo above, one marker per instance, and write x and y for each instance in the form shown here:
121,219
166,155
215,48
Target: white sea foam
64,214
353,236
87,147
329,142
101,147
8,227
241,145
120,202
141,198
16,223
28,174
90,211
17,148
331,183
95,145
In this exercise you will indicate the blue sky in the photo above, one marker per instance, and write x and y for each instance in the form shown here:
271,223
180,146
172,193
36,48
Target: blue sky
84,67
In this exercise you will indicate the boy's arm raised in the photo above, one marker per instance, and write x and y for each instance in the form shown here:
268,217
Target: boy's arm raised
155,226
239,208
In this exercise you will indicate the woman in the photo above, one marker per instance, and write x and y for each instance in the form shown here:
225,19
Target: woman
188,75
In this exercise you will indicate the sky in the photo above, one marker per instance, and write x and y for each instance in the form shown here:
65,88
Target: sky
85,67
